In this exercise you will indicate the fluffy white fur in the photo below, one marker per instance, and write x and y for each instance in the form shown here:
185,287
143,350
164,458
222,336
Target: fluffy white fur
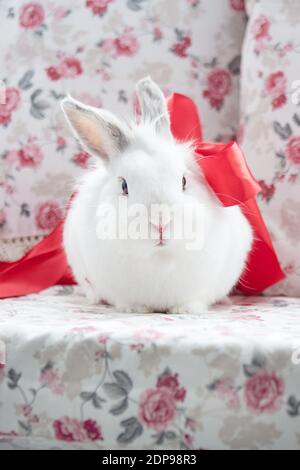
137,275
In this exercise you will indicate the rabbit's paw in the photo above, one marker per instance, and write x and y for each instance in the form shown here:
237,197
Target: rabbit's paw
224,302
133,309
193,308
92,297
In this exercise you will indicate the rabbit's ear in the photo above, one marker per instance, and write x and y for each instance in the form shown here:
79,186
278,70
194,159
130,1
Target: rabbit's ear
99,130
153,106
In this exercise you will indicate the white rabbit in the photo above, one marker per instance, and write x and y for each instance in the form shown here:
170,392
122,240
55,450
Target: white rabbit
144,164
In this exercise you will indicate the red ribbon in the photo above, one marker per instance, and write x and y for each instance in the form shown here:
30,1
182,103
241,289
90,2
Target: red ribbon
226,172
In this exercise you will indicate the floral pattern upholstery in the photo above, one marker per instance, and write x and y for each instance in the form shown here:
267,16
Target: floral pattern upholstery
96,50
270,127
87,377
76,376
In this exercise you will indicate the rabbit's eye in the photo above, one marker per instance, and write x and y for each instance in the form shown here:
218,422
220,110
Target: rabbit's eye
183,183
124,186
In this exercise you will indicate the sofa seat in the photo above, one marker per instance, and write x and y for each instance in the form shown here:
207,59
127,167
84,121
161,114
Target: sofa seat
86,377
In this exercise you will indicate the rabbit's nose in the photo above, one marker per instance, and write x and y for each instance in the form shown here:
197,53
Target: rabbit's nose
160,228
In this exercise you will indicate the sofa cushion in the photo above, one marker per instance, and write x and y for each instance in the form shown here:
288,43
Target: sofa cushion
270,127
97,51
89,377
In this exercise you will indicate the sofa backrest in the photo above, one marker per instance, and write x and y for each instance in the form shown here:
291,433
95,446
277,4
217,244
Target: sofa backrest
97,50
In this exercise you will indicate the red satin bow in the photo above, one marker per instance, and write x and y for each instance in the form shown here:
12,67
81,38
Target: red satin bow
226,172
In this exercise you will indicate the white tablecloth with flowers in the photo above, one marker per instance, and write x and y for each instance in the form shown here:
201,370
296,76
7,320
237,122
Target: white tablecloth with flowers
78,376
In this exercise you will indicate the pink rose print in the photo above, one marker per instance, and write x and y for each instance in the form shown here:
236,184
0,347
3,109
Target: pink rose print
50,378
284,49
126,44
260,31
98,7
58,12
157,33
90,100
53,73
279,102
226,391
263,392
4,118
81,159
2,218
290,269
92,430
261,28
276,83
268,190
72,430
69,67
30,154
180,48
171,382
108,46
84,329
191,424
27,410
293,150
60,143
68,430
218,86
9,188
48,215
238,5
157,408
32,15
275,86
12,101
293,178
188,439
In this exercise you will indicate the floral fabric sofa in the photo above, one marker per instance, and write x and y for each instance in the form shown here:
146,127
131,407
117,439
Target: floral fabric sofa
84,377
73,376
